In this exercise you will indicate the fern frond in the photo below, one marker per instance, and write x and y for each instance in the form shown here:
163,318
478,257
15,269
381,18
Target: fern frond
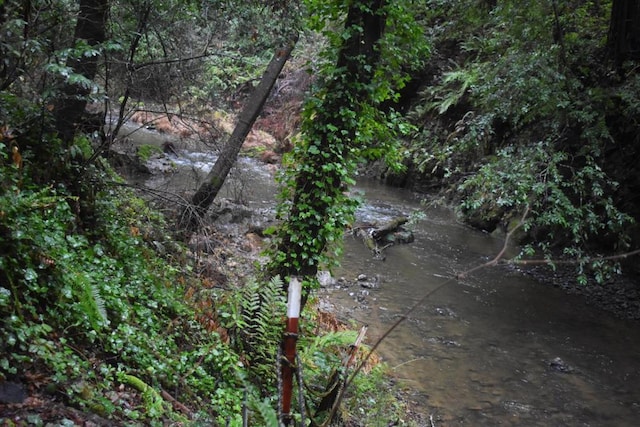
263,307
91,302
453,88
265,413
99,302
331,340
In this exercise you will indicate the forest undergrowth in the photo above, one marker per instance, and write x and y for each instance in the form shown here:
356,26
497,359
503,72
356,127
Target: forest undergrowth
107,319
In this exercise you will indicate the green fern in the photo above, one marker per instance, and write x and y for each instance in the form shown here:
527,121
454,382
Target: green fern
453,88
97,303
264,413
263,313
90,301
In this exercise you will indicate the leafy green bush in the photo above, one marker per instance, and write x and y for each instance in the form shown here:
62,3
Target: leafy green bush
527,118
570,210
95,307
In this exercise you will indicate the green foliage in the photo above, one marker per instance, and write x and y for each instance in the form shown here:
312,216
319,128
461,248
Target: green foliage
322,358
365,405
26,40
255,315
524,119
145,151
343,125
72,301
263,330
461,80
84,298
196,53
324,353
234,70
571,211
59,66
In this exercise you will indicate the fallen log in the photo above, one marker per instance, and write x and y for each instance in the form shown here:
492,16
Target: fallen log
365,235
376,238
390,227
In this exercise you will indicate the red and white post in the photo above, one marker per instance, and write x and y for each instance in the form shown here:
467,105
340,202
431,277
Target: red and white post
289,346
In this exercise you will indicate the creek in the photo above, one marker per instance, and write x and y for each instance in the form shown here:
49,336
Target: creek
493,348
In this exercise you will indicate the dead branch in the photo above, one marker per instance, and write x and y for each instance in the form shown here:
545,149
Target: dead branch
176,404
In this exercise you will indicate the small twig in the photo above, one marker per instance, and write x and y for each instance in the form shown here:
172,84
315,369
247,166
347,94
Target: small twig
407,362
136,67
167,196
176,404
353,350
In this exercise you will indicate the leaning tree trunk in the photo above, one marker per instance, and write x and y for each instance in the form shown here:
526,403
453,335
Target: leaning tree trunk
208,191
91,27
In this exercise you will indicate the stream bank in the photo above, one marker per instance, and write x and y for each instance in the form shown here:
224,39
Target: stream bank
522,331
511,341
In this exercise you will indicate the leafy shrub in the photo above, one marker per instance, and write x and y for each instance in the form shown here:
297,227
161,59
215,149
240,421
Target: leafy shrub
570,208
527,119
92,308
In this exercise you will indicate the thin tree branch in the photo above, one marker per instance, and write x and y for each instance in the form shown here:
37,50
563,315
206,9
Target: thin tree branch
500,255
572,261
137,67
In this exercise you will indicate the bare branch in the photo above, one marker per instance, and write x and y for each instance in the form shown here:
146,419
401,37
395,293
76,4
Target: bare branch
572,261
137,67
498,257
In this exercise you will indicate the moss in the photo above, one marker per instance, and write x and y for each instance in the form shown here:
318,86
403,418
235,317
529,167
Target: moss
145,151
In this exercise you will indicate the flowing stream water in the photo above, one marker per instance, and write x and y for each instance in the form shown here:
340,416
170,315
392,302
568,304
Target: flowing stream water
493,348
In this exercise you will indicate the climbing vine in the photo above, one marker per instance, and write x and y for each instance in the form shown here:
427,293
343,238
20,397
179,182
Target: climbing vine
343,124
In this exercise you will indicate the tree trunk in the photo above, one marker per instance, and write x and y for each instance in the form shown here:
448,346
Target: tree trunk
91,27
314,195
624,31
208,191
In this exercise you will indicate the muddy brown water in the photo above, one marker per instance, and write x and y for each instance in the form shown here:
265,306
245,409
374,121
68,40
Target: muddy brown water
495,348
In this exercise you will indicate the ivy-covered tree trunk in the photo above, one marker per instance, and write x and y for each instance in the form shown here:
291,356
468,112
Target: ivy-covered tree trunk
317,213
90,28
